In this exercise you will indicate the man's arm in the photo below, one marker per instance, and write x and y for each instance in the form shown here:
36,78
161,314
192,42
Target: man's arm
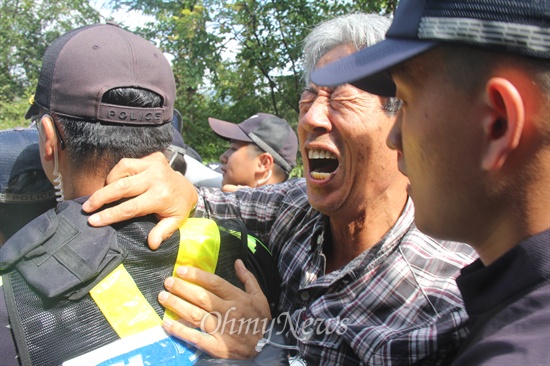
200,175
150,186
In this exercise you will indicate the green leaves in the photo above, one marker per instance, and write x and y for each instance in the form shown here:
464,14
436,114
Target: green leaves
231,59
26,29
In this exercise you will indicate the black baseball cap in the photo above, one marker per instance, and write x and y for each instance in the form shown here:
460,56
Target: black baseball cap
520,27
81,65
271,133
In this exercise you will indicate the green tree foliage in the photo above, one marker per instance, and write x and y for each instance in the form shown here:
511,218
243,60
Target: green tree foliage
231,59
26,29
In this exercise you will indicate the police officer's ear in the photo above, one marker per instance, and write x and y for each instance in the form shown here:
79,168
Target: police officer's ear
48,136
504,123
265,161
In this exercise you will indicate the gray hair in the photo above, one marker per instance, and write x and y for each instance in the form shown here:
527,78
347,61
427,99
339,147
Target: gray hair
358,29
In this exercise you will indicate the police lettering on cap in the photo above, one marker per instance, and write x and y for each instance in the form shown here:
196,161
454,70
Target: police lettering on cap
67,91
126,115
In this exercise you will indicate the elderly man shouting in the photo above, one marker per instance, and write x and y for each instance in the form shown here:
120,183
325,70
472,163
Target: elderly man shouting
360,283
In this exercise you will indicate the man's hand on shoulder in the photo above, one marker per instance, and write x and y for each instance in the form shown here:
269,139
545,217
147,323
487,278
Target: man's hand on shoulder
148,185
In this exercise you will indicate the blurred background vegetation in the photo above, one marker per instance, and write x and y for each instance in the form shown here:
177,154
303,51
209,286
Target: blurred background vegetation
231,59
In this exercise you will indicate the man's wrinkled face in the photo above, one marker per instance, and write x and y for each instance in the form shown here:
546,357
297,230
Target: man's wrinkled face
342,133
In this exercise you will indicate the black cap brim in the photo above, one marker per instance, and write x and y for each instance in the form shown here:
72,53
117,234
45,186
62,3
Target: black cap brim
227,130
34,109
368,69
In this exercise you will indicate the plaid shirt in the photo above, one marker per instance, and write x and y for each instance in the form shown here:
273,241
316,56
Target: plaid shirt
395,304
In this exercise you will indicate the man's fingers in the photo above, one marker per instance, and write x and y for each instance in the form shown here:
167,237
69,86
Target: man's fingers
121,212
130,186
128,167
234,319
106,195
124,180
189,290
209,281
134,207
192,336
246,277
191,315
163,230
156,188
215,343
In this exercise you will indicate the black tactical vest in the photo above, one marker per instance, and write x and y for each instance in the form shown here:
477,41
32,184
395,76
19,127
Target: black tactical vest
55,260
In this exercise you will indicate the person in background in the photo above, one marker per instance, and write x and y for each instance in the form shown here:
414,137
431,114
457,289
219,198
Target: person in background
360,284
473,137
25,191
262,150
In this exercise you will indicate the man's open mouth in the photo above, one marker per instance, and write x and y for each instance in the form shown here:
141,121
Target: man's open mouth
322,163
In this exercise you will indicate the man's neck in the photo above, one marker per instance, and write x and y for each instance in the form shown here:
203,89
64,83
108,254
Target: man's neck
352,237
524,209
79,185
510,227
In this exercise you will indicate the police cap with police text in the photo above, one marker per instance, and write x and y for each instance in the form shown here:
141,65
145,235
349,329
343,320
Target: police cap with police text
81,65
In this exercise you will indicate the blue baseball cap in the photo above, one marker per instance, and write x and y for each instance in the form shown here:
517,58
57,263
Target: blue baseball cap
520,27
19,153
